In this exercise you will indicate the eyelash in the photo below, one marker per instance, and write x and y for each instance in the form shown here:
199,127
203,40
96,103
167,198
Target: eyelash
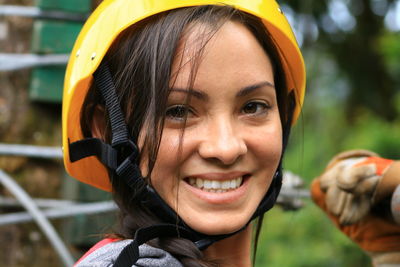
259,104
178,112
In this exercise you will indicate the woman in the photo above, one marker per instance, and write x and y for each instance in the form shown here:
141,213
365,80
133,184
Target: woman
187,107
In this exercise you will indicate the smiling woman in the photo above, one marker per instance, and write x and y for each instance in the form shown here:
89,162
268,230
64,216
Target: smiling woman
232,109
188,112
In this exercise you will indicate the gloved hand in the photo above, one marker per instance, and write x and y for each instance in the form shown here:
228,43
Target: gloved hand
353,182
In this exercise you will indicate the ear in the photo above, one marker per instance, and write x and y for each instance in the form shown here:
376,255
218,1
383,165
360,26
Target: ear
98,123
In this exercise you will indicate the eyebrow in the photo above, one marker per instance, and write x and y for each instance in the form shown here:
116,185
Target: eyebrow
242,92
198,94
248,89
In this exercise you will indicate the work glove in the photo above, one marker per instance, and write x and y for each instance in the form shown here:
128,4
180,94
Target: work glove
350,190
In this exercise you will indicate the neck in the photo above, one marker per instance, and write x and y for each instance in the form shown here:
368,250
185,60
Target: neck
232,251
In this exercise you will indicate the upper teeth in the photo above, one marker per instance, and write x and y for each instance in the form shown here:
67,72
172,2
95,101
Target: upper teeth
216,185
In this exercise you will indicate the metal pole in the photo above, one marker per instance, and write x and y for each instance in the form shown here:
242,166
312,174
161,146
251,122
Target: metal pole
295,193
40,202
38,216
35,12
31,151
11,62
60,212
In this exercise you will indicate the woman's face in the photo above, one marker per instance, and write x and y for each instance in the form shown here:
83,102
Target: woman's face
215,172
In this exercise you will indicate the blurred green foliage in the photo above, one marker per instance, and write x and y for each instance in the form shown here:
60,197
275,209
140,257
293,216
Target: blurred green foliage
390,49
351,33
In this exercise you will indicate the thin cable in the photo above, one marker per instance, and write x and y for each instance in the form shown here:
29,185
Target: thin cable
40,202
35,12
60,212
12,62
31,151
38,216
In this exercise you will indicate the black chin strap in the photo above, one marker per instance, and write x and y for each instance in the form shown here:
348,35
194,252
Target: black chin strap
130,254
121,156
121,159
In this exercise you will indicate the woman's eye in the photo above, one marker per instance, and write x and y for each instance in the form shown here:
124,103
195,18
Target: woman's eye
178,112
255,108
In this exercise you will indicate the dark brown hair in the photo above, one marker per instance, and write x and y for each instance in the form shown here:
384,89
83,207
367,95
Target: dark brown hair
140,61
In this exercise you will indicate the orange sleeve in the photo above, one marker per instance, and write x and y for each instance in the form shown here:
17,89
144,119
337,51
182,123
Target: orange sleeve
372,234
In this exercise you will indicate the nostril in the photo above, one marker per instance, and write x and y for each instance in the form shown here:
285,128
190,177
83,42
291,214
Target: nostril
222,142
226,154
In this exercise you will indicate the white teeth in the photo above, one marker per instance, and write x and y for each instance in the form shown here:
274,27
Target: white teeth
207,184
215,186
226,184
199,182
239,181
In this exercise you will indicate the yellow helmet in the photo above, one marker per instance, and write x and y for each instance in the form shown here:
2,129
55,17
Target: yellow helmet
114,16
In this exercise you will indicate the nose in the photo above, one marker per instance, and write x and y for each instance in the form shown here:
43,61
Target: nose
223,142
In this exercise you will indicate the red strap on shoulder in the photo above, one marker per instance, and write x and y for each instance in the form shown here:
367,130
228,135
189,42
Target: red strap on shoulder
97,246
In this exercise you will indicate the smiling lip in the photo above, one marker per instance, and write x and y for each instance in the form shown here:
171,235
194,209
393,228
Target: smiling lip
214,197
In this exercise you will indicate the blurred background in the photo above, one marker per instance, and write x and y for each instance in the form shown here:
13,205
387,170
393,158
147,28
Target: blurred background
352,53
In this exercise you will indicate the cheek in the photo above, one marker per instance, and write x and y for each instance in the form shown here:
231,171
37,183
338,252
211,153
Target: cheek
267,147
164,176
169,146
272,148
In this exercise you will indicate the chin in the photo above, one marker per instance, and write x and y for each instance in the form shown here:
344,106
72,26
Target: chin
220,227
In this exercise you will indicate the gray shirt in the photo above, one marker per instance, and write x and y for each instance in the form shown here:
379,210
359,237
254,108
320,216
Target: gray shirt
106,256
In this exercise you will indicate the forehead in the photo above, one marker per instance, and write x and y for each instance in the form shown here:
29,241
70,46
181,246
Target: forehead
231,56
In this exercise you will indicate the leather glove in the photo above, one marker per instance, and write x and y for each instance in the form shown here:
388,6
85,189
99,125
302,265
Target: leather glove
352,183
